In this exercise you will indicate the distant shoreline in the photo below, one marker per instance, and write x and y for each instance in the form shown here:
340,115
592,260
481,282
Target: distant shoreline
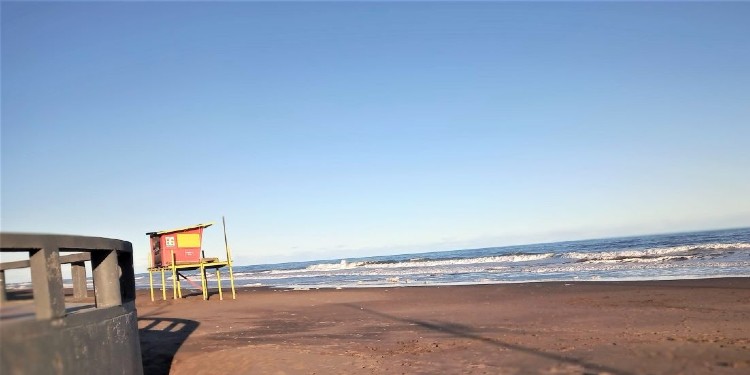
226,288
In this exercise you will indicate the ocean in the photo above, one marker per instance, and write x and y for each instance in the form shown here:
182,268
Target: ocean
706,254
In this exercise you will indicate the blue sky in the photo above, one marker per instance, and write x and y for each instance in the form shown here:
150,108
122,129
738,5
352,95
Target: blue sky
332,130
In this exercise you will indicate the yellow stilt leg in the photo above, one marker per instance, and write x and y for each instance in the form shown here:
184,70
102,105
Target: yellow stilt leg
231,273
174,278
163,285
229,257
204,284
179,285
151,283
151,276
218,282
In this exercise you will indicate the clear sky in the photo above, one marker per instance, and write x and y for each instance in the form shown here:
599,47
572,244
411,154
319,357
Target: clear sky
332,130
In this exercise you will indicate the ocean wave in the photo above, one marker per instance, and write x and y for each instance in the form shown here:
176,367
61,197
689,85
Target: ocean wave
641,259
417,263
18,286
343,265
510,258
578,268
653,253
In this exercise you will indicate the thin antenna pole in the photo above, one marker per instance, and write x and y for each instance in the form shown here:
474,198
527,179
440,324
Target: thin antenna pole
151,274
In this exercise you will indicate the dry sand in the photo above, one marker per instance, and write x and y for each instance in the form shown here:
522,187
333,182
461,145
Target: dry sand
654,327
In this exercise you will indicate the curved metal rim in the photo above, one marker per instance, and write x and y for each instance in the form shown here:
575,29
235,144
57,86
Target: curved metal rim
63,242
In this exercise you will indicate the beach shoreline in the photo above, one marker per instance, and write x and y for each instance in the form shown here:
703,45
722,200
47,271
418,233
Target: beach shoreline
702,254
618,327
407,284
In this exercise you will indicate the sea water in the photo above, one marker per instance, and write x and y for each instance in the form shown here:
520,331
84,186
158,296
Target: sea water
719,253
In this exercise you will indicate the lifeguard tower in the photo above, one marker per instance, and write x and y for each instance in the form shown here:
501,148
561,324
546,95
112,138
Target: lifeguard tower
177,250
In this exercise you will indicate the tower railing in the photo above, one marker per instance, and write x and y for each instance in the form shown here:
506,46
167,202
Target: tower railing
72,340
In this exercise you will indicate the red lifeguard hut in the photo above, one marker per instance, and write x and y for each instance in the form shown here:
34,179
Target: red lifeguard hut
185,243
177,250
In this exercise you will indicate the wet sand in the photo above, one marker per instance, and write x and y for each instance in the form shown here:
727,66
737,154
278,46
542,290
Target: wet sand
654,327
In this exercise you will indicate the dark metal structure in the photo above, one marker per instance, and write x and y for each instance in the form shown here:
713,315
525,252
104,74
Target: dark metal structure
96,338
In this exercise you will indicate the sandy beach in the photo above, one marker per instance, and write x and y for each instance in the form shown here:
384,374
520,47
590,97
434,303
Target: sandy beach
651,327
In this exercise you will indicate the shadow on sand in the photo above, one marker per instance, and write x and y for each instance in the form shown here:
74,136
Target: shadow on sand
160,339
462,331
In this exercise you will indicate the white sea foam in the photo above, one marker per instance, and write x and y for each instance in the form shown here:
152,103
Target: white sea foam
458,262
18,286
627,255
577,268
343,265
417,266
641,260
417,263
